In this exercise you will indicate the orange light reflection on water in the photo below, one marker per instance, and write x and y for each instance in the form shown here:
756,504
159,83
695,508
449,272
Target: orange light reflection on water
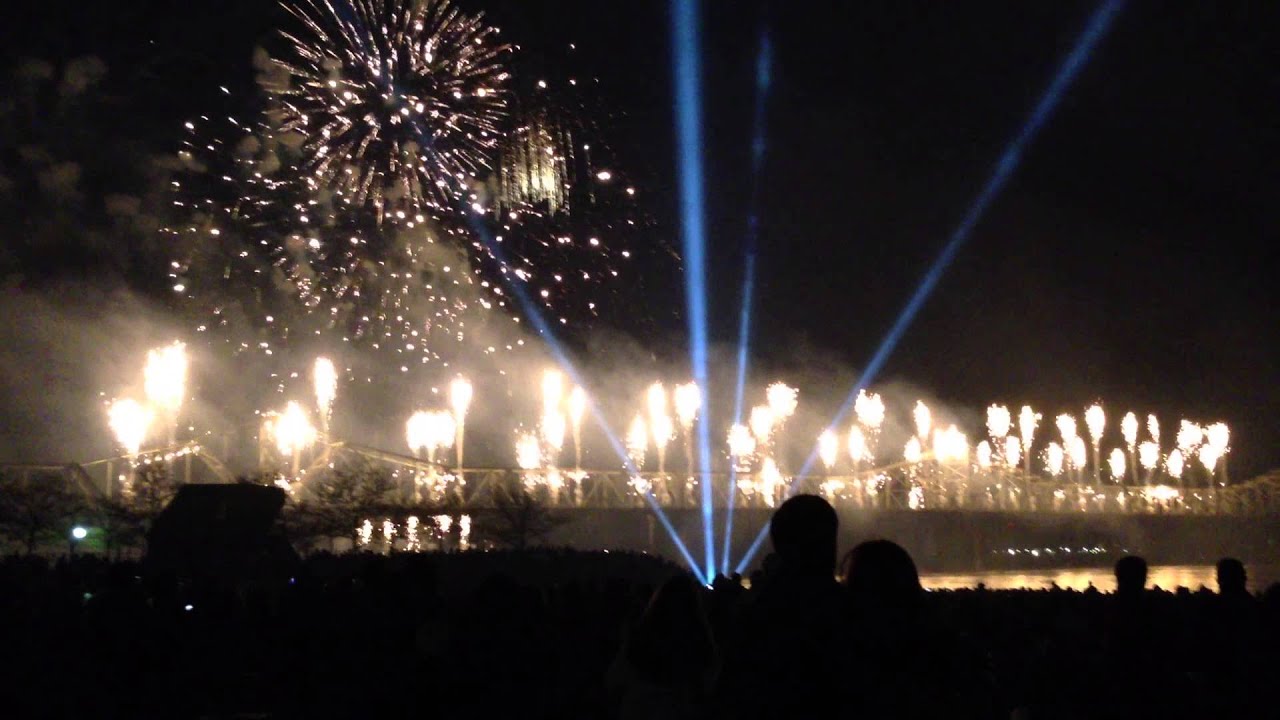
1167,577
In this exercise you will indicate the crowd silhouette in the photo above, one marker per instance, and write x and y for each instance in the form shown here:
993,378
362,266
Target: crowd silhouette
566,634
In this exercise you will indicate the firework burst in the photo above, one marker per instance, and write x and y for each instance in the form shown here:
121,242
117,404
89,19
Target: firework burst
341,212
399,103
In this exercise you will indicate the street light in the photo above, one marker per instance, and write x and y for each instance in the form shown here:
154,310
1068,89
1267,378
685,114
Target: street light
78,533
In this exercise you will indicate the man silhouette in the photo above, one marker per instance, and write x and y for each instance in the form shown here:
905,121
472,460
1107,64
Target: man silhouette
1232,578
1131,576
1231,647
784,647
893,630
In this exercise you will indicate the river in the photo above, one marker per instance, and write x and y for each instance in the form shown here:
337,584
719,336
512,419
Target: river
1167,577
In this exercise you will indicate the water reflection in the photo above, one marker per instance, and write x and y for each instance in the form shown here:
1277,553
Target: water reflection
1167,577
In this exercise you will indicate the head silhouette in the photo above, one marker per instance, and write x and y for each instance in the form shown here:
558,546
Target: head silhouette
1131,575
881,572
1231,577
803,531
671,641
674,605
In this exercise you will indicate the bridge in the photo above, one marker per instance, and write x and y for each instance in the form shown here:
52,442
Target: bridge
922,486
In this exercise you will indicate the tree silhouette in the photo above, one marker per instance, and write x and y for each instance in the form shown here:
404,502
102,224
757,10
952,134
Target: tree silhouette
126,519
38,508
337,500
518,518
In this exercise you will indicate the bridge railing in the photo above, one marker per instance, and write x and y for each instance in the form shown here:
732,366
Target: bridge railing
594,489
921,487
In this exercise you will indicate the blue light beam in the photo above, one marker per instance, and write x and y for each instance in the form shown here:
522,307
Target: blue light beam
1093,33
531,311
764,74
744,339
686,46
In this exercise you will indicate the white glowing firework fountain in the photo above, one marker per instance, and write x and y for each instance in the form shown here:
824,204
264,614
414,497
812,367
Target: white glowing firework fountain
294,433
325,379
552,391
1209,456
1189,436
388,534
1218,436
1028,421
688,401
913,452
951,449
742,445
129,422
764,421
1067,430
1066,426
411,541
1129,430
1095,419
577,409
1012,459
1078,453
165,380
829,452
1149,458
528,451
761,422
999,423
415,432
553,424
983,455
553,431
1115,463
869,410
460,394
859,452
529,458
771,482
950,446
1174,465
660,426
429,431
782,400
637,442
1053,459
828,448
923,420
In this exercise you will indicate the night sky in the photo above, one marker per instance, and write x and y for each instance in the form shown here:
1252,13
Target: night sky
1128,259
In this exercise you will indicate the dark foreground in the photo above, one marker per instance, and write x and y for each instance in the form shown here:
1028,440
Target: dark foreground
549,634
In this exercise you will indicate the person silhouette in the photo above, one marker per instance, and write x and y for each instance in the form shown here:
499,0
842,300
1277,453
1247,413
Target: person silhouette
1232,578
1230,645
882,573
668,660
783,650
892,630
1135,640
803,532
1131,576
